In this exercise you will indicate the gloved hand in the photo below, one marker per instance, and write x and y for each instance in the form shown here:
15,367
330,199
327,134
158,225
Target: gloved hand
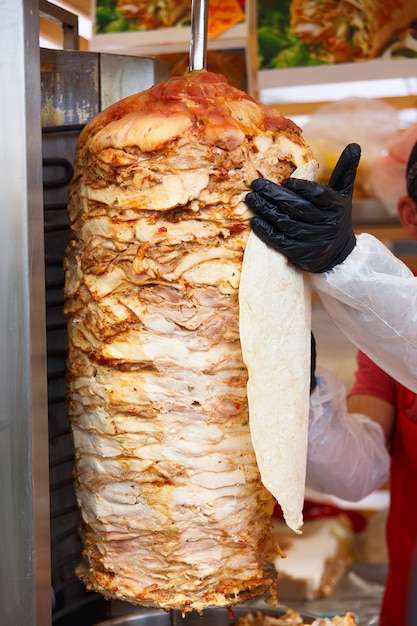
309,222
347,456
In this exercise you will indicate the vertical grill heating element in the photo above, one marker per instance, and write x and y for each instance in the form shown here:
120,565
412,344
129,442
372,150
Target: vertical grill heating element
72,84
70,599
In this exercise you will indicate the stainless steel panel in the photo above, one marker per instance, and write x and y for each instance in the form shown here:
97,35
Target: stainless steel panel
70,87
122,76
24,480
77,85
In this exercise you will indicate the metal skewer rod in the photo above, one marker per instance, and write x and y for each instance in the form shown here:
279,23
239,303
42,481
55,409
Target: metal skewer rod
175,617
198,43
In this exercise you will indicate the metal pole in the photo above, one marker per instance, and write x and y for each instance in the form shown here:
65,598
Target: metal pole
198,44
25,592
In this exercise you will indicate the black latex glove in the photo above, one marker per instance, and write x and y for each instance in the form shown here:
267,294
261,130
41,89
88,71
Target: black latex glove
313,380
309,222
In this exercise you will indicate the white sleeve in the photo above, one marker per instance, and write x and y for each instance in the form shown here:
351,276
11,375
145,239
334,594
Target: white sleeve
347,456
372,298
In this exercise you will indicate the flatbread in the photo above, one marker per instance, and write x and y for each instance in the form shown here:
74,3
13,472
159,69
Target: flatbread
275,335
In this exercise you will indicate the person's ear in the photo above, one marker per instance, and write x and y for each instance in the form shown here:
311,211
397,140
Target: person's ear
407,212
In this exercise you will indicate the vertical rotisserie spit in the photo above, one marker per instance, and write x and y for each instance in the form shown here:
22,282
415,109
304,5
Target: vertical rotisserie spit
174,511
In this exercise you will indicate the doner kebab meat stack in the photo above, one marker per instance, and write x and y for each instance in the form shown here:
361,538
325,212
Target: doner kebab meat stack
169,466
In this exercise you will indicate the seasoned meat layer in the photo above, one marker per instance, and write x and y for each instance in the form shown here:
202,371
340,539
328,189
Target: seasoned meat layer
174,514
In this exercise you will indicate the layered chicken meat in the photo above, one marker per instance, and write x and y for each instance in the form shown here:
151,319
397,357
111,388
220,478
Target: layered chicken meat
174,513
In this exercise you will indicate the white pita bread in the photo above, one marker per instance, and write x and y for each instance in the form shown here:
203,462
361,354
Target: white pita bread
275,327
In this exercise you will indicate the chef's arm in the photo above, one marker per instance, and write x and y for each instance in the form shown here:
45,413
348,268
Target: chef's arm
347,453
372,298
377,409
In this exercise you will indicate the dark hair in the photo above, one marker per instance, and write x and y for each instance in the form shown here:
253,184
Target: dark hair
411,174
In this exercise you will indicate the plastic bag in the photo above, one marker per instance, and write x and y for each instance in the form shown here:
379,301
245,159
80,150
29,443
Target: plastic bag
372,298
347,456
369,122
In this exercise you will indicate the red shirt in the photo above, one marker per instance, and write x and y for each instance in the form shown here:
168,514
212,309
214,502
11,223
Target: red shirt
402,517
